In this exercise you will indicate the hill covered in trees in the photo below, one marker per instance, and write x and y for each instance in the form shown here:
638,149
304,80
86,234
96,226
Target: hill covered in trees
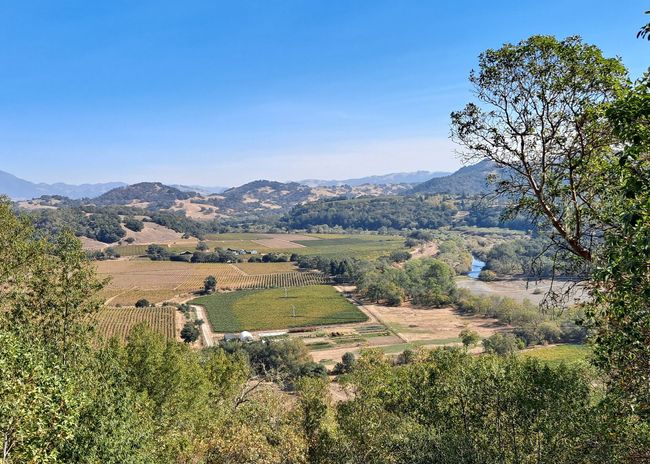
468,180
154,194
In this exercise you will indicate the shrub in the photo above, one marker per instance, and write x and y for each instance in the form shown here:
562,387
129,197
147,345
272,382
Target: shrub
487,276
134,224
142,303
469,337
503,344
189,333
210,284
346,365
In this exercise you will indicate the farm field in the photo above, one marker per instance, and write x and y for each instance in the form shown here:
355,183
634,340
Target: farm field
431,326
270,309
558,353
158,281
118,322
358,246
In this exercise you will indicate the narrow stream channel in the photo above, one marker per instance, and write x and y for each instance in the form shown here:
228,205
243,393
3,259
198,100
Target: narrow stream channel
477,266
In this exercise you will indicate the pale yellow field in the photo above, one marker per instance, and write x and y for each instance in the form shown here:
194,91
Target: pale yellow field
158,281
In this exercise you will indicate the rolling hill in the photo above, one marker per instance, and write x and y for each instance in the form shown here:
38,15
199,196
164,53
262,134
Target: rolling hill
468,180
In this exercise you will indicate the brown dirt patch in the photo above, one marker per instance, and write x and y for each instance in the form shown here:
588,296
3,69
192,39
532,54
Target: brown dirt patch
426,250
90,244
154,233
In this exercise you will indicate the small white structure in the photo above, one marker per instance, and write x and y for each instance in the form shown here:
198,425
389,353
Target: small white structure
245,337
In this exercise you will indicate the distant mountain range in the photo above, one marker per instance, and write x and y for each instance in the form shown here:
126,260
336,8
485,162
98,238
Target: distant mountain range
392,178
257,197
20,189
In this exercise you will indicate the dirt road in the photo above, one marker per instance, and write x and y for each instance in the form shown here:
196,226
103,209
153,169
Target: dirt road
206,332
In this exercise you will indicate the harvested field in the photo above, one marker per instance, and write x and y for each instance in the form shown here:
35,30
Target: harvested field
158,281
118,322
432,325
265,268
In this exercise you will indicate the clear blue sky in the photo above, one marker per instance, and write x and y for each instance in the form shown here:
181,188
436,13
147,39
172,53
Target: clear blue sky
218,93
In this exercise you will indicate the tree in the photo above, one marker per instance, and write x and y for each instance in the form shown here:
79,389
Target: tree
134,224
621,315
503,344
541,120
644,32
142,303
189,332
469,338
202,246
210,284
346,365
158,252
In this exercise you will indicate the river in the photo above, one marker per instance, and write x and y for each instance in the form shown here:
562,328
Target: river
477,266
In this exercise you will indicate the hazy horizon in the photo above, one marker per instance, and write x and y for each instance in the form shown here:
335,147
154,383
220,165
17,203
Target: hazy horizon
207,93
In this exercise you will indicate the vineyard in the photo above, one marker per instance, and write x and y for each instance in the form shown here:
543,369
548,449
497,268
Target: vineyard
277,309
159,281
118,322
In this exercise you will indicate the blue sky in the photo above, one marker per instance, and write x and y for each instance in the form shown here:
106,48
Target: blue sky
219,93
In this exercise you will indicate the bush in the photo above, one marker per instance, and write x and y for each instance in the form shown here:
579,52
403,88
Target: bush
503,344
181,258
134,224
202,246
189,333
143,303
158,253
469,337
346,365
399,256
210,284
487,276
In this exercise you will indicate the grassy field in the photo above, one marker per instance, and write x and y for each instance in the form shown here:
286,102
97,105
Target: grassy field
270,309
118,322
358,246
558,353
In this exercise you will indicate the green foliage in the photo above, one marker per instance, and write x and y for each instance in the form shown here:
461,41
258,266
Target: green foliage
425,281
272,309
210,284
189,332
551,176
486,275
469,338
142,303
450,407
503,344
454,253
346,365
621,313
158,252
134,224
395,213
